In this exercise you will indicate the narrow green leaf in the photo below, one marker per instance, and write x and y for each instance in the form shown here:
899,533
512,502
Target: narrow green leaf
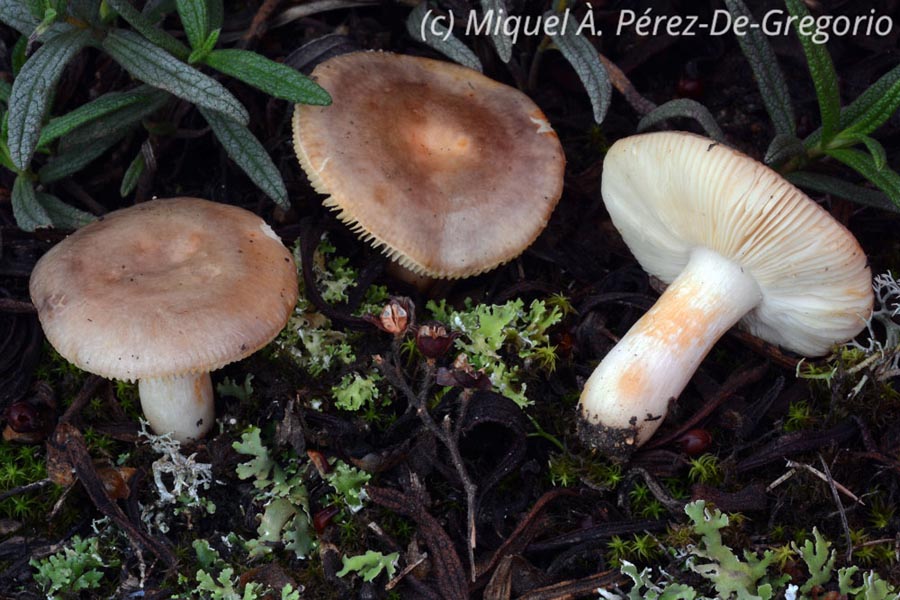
61,214
28,212
686,108
15,14
32,90
86,10
200,54
820,68
874,106
122,121
153,65
271,77
502,41
768,75
247,153
77,157
132,174
422,26
149,30
782,148
826,184
18,57
91,111
885,179
581,54
5,159
879,156
195,20
155,10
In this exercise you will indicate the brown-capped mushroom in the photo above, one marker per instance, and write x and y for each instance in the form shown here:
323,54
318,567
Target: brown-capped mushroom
165,292
449,172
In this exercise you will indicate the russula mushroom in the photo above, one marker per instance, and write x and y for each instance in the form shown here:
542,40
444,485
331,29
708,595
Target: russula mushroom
449,172
165,292
735,242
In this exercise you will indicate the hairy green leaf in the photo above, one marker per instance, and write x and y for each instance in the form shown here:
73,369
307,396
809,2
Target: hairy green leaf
826,184
76,157
247,153
502,41
582,55
271,77
61,214
687,108
782,148
32,90
132,174
821,69
153,65
92,111
216,14
768,75
118,121
422,26
200,53
886,179
874,106
28,212
195,20
147,29
15,14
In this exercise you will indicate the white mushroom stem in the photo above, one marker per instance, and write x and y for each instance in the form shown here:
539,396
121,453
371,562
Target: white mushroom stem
627,397
182,406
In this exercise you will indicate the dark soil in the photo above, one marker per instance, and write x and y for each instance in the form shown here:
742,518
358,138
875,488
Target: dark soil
537,536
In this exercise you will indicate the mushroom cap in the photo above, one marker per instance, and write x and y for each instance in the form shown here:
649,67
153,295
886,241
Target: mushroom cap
450,172
165,288
670,192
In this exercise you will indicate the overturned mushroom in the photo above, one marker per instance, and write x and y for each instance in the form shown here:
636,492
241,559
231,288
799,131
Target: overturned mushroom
165,292
451,173
735,242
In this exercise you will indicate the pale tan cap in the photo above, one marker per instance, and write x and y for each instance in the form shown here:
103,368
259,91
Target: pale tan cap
450,172
165,288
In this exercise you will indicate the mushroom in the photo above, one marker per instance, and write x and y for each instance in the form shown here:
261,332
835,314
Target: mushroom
165,292
449,172
735,242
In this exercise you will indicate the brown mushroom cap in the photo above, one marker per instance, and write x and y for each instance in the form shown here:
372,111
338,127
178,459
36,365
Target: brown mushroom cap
451,172
165,288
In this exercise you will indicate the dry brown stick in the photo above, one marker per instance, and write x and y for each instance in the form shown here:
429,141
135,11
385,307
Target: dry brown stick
394,374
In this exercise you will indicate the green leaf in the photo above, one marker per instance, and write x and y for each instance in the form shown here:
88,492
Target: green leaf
502,41
422,26
581,54
152,65
195,20
885,178
874,106
879,156
370,564
91,111
146,27
247,153
15,14
86,10
687,108
29,213
122,120
32,90
18,57
271,77
822,70
200,54
825,184
768,75
132,175
77,157
782,148
61,214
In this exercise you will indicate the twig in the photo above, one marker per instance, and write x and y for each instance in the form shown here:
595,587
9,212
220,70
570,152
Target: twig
837,500
395,377
621,82
8,305
24,489
826,477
